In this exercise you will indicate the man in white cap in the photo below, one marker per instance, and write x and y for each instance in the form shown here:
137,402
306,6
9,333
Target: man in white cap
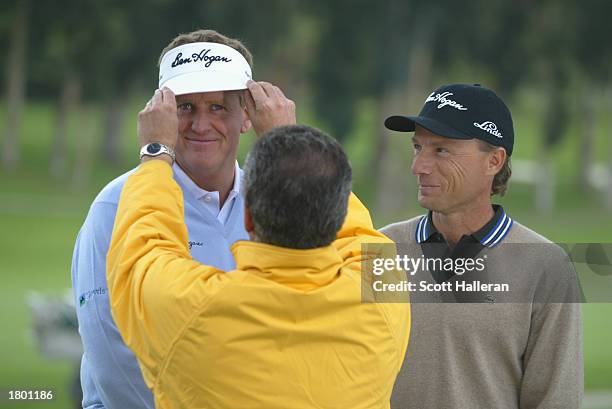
209,74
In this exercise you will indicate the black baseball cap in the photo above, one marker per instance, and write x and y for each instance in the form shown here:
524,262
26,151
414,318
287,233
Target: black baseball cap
462,111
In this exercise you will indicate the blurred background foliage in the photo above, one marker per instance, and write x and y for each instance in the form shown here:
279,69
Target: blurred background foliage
75,73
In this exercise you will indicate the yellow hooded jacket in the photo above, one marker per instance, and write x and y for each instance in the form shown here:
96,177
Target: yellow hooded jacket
286,329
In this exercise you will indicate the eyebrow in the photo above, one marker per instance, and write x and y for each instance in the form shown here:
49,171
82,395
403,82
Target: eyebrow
444,142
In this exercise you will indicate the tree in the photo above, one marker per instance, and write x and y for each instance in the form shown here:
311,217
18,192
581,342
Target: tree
594,59
15,85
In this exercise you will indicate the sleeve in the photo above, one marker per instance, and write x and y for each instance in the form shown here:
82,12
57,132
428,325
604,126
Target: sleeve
91,396
359,244
110,374
553,362
155,287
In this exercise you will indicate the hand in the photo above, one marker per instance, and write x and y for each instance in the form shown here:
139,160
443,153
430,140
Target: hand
268,107
158,121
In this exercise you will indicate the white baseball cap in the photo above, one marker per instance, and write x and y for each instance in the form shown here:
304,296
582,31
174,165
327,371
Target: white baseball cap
203,67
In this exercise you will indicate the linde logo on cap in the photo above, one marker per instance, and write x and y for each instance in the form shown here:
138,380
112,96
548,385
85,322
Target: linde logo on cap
203,67
489,127
444,101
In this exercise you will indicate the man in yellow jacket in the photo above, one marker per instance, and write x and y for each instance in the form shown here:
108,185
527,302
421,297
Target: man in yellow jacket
287,328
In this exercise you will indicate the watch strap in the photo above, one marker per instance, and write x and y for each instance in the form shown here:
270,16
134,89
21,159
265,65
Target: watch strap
156,149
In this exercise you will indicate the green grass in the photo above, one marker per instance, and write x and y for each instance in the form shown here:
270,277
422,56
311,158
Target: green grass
597,355
36,256
40,217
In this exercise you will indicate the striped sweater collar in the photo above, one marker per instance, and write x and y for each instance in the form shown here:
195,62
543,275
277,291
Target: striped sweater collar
490,235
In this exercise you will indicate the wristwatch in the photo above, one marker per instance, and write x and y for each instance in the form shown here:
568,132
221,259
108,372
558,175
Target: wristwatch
156,149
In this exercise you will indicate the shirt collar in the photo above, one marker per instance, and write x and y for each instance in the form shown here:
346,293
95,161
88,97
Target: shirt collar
490,235
196,191
237,180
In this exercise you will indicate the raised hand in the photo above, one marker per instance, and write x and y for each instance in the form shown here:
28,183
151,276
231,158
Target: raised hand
158,120
268,107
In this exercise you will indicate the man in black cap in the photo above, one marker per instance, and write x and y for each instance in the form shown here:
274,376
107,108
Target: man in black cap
513,347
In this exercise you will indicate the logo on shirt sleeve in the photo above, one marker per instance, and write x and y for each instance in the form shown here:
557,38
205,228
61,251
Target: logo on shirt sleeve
86,296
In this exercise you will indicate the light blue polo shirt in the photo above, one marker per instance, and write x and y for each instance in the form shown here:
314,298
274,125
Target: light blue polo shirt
110,375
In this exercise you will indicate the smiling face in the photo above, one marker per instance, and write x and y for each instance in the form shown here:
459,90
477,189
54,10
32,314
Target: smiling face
453,175
210,124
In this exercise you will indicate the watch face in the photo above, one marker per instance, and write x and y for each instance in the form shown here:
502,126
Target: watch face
153,148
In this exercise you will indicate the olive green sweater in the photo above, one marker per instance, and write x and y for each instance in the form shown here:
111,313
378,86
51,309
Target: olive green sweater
521,349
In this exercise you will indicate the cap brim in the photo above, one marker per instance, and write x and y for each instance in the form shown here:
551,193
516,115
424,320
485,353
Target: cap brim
189,83
408,123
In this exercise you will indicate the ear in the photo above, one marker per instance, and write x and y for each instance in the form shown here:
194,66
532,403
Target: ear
246,122
496,160
248,222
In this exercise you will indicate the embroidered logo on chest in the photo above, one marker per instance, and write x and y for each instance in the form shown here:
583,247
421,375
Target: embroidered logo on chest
195,243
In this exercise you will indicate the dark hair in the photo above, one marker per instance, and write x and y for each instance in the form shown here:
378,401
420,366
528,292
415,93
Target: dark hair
208,36
501,178
297,183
